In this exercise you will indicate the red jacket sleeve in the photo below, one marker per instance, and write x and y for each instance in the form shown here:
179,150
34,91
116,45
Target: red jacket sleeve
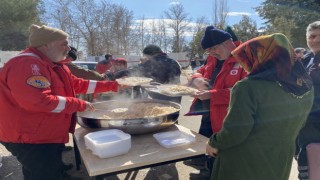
42,97
83,86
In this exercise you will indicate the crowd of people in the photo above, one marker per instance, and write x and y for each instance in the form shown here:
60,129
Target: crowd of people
258,101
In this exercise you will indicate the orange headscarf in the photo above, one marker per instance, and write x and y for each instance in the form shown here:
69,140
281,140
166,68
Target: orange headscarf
272,58
255,53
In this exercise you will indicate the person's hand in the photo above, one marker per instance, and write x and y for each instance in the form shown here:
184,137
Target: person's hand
121,74
73,53
211,151
90,107
202,95
122,87
200,83
109,76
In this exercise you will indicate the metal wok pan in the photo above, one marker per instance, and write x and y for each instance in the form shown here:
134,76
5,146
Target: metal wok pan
94,121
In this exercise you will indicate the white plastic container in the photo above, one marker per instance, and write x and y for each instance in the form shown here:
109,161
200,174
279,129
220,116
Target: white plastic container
174,138
108,143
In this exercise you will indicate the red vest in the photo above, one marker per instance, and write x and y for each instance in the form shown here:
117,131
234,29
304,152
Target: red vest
38,99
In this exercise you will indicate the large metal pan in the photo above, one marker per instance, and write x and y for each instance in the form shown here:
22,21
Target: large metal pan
94,121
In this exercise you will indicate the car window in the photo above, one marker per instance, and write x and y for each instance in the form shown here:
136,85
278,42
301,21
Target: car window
91,66
84,66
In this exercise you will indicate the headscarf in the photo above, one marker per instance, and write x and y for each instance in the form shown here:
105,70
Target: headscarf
272,58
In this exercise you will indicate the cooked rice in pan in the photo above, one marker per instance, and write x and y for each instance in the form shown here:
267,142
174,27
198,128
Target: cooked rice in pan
140,110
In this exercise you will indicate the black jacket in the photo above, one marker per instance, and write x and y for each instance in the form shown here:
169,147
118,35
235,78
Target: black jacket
160,68
314,72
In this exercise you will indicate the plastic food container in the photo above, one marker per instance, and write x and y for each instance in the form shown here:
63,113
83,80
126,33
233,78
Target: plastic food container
108,143
174,138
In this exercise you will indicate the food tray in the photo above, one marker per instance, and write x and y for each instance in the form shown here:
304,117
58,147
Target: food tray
174,138
133,81
166,90
108,143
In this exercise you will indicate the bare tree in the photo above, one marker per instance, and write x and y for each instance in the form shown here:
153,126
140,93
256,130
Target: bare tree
179,24
103,27
164,39
220,12
122,20
195,44
140,35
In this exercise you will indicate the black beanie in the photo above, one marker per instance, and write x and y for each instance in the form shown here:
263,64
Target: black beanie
152,50
213,36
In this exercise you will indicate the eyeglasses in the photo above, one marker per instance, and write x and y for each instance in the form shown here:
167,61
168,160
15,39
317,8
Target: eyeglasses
214,48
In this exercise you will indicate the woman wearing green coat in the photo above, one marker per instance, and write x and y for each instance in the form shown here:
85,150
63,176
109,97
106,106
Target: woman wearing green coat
266,112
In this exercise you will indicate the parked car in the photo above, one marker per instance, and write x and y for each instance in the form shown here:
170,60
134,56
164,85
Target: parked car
86,64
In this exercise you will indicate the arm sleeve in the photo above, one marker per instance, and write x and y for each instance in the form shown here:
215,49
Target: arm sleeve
220,96
84,73
39,98
83,86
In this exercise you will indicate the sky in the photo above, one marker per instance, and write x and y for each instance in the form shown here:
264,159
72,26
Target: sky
154,9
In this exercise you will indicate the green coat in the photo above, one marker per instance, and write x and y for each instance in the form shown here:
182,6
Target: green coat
257,141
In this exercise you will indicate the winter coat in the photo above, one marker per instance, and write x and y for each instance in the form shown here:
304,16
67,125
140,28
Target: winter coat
160,68
314,72
311,131
38,99
257,140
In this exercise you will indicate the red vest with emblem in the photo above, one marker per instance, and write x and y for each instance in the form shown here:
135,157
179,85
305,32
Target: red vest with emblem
38,99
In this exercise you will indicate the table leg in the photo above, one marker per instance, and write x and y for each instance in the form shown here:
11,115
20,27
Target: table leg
76,154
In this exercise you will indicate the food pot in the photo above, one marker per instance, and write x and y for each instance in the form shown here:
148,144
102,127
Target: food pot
94,121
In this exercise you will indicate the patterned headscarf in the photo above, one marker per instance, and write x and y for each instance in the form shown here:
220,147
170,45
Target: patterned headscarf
271,57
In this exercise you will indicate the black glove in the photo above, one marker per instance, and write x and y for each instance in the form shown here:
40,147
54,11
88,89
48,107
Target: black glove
120,74
233,35
73,53
109,76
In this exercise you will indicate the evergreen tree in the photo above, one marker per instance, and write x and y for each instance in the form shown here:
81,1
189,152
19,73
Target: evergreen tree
15,18
246,29
290,17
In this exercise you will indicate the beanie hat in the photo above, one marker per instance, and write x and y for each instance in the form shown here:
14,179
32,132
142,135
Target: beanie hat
152,50
73,53
107,56
213,36
41,35
233,35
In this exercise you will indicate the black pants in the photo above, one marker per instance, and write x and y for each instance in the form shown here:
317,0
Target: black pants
39,161
205,126
307,135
